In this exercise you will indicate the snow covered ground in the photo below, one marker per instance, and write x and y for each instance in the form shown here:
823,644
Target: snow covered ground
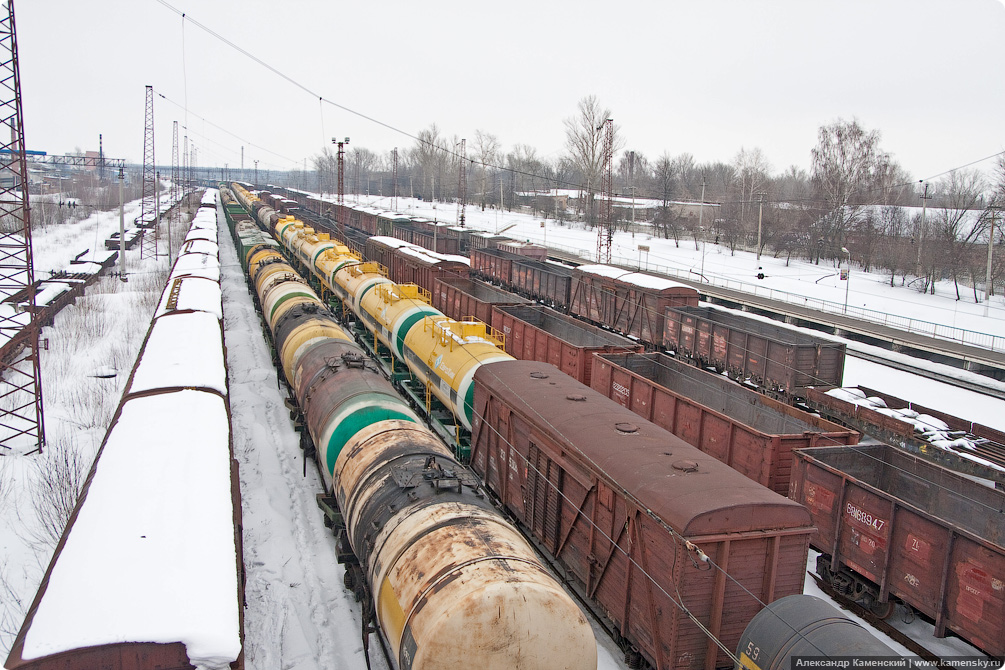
298,613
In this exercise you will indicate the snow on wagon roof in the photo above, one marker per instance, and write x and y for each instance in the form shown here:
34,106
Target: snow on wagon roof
176,354
151,555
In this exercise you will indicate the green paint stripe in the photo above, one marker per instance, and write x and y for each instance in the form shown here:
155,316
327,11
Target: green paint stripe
286,297
406,326
355,422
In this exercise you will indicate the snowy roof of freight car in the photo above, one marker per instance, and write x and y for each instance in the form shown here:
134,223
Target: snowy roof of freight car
177,354
124,554
197,246
649,281
603,270
202,234
431,256
392,242
194,294
197,265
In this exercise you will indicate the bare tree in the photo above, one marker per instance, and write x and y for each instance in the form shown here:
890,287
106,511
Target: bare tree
957,226
751,177
849,170
486,151
584,139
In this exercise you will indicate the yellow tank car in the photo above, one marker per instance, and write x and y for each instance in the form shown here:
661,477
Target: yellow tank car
281,288
300,329
286,229
261,258
352,282
390,310
331,260
444,354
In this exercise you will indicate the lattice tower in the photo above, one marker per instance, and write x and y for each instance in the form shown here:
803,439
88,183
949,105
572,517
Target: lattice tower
149,216
605,232
22,425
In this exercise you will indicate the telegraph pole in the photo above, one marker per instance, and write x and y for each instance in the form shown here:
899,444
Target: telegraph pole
921,231
122,226
462,184
760,210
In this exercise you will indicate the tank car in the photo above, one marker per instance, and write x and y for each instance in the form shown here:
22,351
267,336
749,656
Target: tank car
452,583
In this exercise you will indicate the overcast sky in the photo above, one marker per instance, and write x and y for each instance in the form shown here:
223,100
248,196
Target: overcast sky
707,77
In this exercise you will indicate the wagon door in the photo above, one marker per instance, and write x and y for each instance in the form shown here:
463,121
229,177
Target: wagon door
542,502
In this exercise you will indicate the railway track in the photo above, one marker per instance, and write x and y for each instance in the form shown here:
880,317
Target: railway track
882,625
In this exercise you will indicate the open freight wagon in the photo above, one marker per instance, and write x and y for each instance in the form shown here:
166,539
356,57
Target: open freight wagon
893,525
750,432
537,333
773,357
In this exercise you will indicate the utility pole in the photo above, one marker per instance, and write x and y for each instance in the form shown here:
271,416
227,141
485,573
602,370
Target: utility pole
605,231
157,208
256,173
243,178
149,215
631,184
921,230
760,210
122,227
175,186
701,228
339,211
394,181
988,292
22,426
462,183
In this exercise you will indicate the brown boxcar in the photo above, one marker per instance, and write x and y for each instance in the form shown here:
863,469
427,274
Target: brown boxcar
459,298
538,333
548,282
980,441
493,265
632,303
412,264
891,524
633,513
748,431
774,357
526,249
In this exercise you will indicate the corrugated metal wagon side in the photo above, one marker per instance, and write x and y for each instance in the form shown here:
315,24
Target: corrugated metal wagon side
538,333
774,357
750,432
459,298
630,510
891,524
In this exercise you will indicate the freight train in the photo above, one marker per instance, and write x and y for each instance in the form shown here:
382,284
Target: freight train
149,570
656,540
655,311
764,355
451,583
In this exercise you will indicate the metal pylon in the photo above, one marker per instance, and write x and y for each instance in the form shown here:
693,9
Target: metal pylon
21,420
605,231
149,216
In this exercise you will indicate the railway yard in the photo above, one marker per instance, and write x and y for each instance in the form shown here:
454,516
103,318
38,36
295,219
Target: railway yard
422,447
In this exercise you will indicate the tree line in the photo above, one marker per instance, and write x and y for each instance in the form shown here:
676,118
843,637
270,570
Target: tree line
855,201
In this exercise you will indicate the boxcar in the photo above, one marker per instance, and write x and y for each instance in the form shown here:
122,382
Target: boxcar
460,297
484,240
748,431
380,249
632,303
548,282
772,356
493,265
633,512
538,333
893,525
526,249
412,264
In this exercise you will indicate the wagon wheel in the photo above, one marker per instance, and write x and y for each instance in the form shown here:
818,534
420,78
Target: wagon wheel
883,610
